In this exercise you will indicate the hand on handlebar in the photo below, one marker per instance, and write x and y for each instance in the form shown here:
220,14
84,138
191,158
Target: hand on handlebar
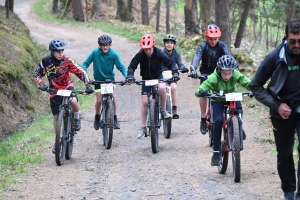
203,93
184,70
130,80
89,89
43,86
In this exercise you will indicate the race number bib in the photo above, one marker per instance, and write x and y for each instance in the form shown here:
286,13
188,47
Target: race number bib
65,93
234,97
151,82
107,88
167,74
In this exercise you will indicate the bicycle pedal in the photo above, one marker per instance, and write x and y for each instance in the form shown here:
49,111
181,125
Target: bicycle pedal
175,116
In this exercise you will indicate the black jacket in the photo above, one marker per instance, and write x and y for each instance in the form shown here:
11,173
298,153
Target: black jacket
151,68
274,66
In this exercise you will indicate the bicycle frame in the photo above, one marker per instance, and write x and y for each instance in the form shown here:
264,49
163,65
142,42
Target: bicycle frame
156,96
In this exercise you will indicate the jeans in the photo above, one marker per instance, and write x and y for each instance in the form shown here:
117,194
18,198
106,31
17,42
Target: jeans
284,134
218,110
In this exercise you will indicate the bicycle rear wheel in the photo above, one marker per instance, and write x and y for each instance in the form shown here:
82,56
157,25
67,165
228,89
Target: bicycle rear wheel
167,123
60,139
108,127
236,157
224,158
210,126
70,138
153,128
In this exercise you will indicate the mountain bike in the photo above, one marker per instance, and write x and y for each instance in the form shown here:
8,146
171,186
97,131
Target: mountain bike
232,134
107,109
154,110
65,129
167,123
209,114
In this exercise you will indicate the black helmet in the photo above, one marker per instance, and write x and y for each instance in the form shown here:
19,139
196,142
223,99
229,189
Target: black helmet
170,37
56,45
104,39
227,62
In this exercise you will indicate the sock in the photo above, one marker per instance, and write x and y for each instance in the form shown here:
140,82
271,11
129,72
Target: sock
174,107
203,119
77,115
115,116
97,117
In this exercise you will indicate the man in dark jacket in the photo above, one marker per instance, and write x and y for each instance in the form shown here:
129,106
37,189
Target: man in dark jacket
282,96
151,59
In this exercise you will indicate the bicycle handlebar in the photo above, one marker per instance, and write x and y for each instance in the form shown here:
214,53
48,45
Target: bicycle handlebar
140,82
108,81
214,95
52,91
199,76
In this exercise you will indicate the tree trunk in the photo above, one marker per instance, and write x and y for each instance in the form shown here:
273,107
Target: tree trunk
223,20
190,11
55,6
242,25
66,8
96,9
208,13
7,8
291,11
10,5
77,10
145,14
167,16
158,16
129,7
123,13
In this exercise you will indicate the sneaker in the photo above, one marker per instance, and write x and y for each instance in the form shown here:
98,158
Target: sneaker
203,127
215,159
77,124
175,115
289,196
142,132
116,123
165,115
96,122
53,149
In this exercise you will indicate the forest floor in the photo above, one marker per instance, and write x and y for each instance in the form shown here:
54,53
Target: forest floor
129,170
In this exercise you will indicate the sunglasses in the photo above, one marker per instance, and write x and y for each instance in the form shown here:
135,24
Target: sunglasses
293,41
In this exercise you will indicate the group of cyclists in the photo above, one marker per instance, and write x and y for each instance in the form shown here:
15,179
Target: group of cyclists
223,74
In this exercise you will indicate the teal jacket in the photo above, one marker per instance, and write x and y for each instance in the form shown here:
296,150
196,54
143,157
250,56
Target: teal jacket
215,83
103,64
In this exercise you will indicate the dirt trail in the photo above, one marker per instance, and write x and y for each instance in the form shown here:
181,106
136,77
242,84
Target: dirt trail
129,170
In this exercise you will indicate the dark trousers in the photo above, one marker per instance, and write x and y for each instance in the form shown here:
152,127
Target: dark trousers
284,133
218,110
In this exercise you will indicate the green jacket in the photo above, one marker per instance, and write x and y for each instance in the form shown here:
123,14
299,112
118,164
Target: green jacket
215,83
103,64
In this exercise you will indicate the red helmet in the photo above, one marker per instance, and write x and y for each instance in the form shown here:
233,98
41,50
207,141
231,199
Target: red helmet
147,41
213,31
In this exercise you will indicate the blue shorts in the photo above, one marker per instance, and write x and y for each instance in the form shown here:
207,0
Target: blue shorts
145,90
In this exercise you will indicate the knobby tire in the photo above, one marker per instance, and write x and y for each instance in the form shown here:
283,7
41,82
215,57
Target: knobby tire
236,157
70,138
210,130
108,127
224,155
167,123
60,140
153,128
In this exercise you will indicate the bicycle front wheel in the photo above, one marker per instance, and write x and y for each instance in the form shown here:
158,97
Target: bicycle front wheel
224,158
153,128
60,139
167,123
70,138
236,157
108,127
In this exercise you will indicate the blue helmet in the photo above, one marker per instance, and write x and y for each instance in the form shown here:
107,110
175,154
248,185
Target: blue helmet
56,45
104,39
